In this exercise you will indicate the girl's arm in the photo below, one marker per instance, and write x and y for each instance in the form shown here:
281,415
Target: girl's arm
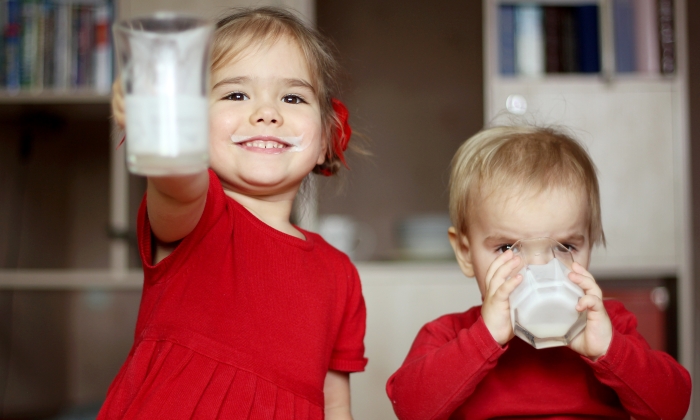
175,203
336,391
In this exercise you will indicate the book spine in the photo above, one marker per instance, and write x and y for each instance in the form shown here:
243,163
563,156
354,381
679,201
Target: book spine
40,28
529,40
62,42
49,34
667,37
103,51
3,27
85,46
74,46
569,45
553,38
588,38
623,16
506,38
12,45
28,41
646,24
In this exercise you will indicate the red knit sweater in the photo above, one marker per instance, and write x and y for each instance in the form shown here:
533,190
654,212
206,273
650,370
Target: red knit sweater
456,370
240,321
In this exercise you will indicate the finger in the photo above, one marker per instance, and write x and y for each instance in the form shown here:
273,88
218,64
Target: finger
507,287
590,303
498,262
503,272
585,281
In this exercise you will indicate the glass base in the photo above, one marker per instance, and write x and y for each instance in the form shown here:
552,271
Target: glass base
537,337
154,165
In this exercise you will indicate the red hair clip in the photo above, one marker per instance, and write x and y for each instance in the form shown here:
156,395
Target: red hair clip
342,133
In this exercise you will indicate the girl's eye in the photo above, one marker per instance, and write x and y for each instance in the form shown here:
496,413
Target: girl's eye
503,248
570,247
236,96
293,99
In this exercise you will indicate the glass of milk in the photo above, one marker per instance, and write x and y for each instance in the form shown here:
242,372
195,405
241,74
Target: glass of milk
164,68
543,306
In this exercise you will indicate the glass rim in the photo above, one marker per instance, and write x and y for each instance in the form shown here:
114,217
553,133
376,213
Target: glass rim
186,20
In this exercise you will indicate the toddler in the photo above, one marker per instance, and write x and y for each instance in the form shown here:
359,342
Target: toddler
506,184
245,315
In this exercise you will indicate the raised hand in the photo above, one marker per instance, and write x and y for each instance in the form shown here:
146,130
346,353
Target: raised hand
118,103
594,340
499,284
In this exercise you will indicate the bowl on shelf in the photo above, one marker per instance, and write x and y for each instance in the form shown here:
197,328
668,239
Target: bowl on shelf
424,237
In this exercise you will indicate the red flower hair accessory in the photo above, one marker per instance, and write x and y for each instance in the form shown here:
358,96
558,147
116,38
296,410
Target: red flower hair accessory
343,130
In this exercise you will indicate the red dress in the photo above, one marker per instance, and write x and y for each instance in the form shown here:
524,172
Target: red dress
456,370
240,321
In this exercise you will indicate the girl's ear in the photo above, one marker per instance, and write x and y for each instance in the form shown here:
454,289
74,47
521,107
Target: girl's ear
460,245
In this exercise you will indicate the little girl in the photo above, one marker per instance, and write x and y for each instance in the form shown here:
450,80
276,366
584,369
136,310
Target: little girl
245,315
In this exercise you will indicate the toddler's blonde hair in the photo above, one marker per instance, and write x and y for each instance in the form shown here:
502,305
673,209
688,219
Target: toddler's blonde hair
530,158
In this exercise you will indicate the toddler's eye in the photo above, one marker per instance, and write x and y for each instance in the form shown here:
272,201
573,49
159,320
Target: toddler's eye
503,248
293,99
236,96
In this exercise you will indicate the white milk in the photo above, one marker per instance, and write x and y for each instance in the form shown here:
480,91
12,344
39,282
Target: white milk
543,306
166,135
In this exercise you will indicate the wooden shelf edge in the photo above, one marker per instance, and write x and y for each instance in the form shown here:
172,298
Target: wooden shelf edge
54,97
70,279
375,273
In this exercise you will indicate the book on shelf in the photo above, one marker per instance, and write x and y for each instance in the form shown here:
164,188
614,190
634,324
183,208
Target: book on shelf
587,36
549,38
569,46
506,49
536,38
646,21
623,25
57,45
667,37
529,40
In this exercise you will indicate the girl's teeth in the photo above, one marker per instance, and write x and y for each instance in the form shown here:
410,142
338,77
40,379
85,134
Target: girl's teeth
266,144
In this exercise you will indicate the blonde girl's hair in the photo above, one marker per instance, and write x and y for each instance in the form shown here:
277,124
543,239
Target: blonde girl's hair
526,157
260,27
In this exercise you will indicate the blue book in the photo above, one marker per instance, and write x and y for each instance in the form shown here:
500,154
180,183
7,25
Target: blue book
506,38
623,21
587,36
12,46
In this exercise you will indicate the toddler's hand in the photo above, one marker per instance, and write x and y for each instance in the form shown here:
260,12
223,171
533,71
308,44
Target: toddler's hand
594,340
118,103
499,284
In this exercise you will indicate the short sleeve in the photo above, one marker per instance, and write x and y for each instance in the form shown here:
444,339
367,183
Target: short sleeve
214,209
349,350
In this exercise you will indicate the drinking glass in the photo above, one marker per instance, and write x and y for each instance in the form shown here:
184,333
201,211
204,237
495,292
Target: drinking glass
164,68
543,306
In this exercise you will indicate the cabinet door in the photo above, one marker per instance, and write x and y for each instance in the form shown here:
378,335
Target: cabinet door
628,131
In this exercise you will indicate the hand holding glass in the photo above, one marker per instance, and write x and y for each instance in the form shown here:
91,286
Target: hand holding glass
543,306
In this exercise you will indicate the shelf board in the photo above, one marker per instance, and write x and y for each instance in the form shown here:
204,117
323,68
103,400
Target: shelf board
388,273
79,96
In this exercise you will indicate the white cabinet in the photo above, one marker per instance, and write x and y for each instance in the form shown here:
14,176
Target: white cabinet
635,128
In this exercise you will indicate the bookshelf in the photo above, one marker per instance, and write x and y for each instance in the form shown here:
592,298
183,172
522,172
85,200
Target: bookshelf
631,112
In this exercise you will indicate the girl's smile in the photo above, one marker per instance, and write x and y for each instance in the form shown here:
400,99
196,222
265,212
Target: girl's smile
264,106
269,144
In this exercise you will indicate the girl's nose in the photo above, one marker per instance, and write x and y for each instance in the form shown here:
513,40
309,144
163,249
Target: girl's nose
266,114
